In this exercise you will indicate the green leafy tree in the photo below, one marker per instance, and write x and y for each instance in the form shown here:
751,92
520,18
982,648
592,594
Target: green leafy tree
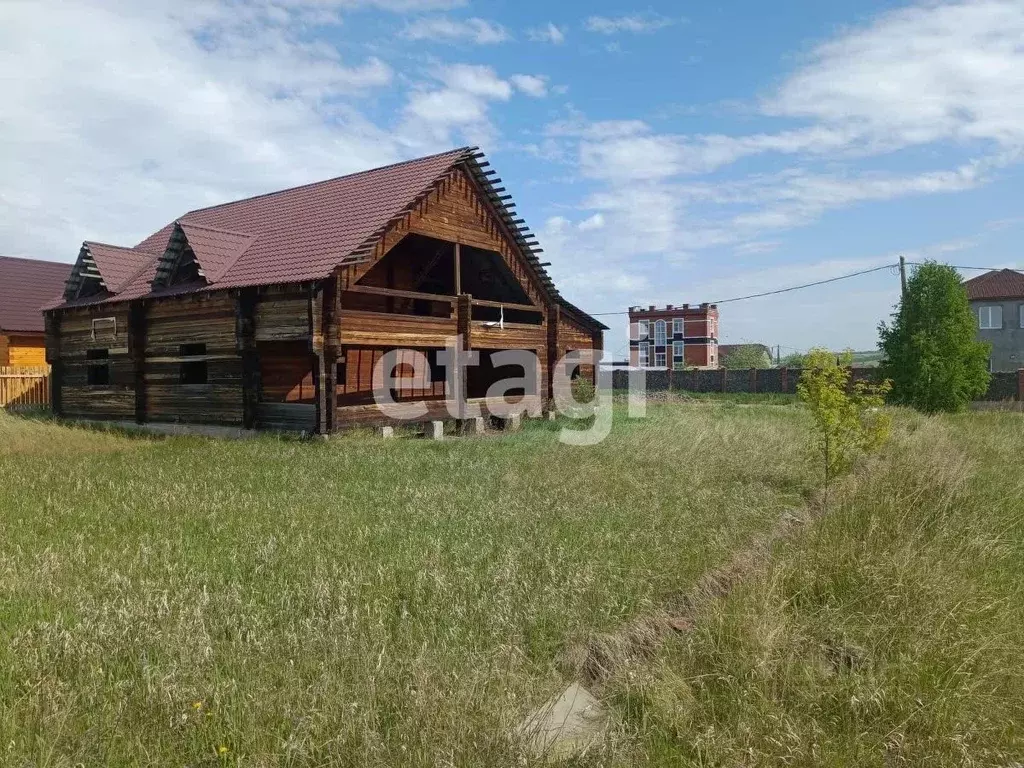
793,360
930,351
848,418
747,356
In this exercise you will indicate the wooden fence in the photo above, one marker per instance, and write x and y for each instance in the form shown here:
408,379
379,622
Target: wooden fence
24,387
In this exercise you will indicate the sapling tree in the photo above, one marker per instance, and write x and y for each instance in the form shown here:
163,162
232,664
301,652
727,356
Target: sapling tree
848,418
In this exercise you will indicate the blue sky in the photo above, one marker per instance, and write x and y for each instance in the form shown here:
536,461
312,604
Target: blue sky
662,153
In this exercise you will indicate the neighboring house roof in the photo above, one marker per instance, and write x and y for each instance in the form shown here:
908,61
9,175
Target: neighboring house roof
25,286
302,234
1000,284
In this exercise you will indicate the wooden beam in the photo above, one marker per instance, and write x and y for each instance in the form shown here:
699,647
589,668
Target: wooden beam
325,306
597,344
245,342
400,294
458,269
507,305
464,328
137,353
52,324
553,344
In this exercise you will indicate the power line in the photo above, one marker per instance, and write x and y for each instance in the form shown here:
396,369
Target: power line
957,266
780,290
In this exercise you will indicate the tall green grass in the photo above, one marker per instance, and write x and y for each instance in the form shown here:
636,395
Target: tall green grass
352,602
887,633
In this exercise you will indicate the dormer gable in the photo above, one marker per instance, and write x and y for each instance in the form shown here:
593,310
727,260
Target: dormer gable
199,253
103,269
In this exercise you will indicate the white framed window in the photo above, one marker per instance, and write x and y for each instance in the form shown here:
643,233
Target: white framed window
642,355
991,317
659,359
642,329
678,355
677,325
659,333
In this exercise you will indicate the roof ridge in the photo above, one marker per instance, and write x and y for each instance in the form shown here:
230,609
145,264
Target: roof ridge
182,221
456,151
111,245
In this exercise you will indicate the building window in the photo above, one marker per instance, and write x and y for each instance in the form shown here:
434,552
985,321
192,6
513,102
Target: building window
677,327
642,330
659,333
97,373
193,371
678,355
642,357
990,318
659,359
1022,315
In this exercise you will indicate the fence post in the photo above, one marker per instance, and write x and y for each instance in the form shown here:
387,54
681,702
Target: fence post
725,374
1020,385
753,380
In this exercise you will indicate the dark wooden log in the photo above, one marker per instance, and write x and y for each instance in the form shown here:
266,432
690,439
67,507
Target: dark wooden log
52,324
246,301
464,327
137,355
324,313
553,347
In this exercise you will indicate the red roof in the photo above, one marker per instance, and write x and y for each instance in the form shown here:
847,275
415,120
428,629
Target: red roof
303,233
117,265
1001,284
25,286
295,235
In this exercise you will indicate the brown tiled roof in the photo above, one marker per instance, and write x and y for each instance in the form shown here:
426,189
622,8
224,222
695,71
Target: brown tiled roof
117,265
25,286
1001,284
216,250
301,234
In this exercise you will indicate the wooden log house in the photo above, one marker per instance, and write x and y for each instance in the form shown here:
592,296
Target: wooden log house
271,312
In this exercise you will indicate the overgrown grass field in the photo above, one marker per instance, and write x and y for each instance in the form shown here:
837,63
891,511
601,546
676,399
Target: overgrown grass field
368,602
352,602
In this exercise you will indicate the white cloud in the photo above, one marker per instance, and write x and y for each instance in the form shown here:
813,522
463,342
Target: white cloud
634,23
124,116
459,106
531,85
946,77
443,28
917,75
549,33
594,222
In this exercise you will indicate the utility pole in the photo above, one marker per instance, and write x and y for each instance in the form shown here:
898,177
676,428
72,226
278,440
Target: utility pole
778,354
903,276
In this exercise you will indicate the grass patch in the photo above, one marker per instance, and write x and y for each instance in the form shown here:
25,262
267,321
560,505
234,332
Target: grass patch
351,602
888,633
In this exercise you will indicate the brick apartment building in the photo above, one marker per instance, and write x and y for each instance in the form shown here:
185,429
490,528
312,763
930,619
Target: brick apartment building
674,337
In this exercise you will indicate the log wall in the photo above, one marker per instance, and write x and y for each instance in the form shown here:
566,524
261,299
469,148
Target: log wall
103,328
204,318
